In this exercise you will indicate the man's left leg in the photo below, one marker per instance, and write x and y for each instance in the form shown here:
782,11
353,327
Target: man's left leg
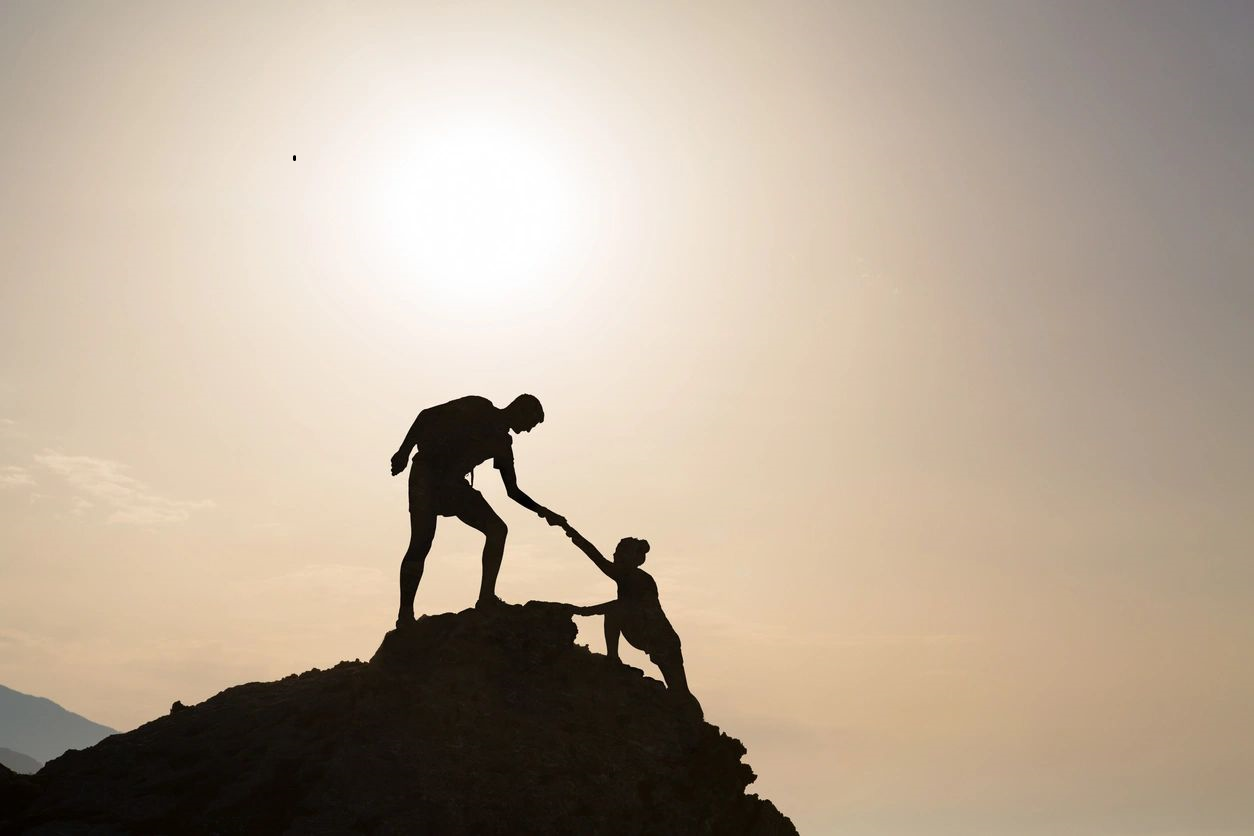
422,519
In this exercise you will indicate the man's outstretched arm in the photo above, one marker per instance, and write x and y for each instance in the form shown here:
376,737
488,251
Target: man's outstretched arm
400,459
510,479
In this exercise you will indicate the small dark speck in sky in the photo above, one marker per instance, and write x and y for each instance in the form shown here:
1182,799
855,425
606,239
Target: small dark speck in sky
293,158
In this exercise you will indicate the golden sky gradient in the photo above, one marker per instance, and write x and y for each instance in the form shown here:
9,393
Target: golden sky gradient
917,338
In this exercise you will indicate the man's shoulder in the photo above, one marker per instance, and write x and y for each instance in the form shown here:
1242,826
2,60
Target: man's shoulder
469,402
472,413
470,408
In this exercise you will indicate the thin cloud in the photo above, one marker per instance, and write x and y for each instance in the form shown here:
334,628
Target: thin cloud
326,578
103,482
9,429
12,476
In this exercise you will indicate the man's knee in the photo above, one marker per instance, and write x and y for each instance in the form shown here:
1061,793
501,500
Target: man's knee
419,544
422,523
496,530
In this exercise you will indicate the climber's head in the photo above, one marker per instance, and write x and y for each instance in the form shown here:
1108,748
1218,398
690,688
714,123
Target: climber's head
631,551
523,413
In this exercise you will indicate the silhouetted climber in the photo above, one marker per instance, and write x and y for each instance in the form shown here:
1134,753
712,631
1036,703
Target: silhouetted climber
451,440
637,612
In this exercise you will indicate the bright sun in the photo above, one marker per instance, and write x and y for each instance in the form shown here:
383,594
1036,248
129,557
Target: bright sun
478,208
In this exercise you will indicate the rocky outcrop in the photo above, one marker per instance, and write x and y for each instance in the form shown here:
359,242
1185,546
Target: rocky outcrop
16,791
479,722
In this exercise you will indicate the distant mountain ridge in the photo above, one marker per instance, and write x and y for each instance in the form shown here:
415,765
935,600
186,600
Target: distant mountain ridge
41,729
19,763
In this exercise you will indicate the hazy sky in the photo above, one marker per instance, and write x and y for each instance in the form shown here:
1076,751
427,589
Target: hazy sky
918,338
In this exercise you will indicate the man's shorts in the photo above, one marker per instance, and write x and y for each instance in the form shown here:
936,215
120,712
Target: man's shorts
443,495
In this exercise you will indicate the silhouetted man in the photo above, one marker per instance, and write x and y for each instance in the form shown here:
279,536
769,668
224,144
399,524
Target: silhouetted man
452,439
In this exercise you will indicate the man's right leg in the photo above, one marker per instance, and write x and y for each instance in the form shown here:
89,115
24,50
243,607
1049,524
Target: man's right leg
421,533
475,511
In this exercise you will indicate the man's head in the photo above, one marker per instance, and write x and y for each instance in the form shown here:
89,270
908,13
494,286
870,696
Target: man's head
523,413
631,551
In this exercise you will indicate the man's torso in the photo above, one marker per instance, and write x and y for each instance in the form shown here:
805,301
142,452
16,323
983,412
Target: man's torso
456,436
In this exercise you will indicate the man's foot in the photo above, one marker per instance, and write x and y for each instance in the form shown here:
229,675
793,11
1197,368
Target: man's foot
405,620
488,602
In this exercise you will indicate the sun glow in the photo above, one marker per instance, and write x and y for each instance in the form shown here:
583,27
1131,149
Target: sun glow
476,207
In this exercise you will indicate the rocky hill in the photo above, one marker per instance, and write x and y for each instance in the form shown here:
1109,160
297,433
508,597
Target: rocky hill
480,722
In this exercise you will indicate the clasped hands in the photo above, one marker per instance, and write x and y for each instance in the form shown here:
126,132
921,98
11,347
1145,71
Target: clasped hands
551,517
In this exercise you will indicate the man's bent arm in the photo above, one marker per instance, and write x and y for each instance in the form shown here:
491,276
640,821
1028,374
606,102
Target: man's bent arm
401,457
411,437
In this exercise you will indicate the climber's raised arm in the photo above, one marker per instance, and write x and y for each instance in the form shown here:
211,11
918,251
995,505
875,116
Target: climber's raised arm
591,551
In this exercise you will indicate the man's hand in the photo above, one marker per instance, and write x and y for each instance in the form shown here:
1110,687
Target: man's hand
551,518
400,460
